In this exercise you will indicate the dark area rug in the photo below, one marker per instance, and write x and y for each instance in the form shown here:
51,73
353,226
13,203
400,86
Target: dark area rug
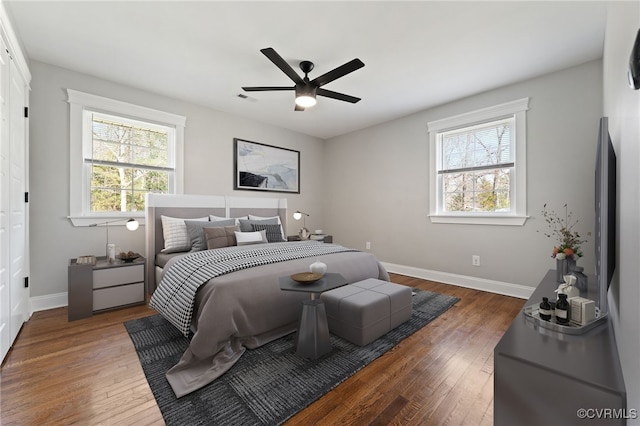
269,384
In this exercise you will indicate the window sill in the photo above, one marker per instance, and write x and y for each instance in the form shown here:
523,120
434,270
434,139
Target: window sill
479,220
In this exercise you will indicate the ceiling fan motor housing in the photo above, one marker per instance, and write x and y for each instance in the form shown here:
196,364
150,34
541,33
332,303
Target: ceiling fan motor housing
306,89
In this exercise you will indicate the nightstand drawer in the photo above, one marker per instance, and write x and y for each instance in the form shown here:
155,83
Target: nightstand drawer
105,298
110,277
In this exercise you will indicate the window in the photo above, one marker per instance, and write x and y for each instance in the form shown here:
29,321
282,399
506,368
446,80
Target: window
125,159
478,166
120,152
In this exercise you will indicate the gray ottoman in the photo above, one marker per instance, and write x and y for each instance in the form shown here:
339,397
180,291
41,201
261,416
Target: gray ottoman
363,311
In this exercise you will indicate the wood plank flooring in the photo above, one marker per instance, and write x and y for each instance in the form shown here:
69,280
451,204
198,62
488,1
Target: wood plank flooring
87,372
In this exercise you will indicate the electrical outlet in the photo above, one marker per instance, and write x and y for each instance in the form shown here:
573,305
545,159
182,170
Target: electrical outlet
475,260
368,245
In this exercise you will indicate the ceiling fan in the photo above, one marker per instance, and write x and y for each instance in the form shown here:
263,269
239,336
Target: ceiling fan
305,89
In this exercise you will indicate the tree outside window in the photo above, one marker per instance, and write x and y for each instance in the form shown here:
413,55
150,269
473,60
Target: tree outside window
476,168
128,159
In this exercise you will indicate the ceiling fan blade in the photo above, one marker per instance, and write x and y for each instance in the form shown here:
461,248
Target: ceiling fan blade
336,73
267,88
335,95
298,108
282,64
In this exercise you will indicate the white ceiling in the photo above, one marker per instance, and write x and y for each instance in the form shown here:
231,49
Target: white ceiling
417,54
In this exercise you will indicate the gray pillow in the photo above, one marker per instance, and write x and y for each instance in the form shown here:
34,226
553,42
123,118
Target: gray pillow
196,233
245,224
274,232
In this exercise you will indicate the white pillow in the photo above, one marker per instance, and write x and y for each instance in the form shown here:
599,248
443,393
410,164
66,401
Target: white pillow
176,236
254,217
245,238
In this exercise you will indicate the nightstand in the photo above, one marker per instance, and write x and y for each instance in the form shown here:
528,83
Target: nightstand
104,286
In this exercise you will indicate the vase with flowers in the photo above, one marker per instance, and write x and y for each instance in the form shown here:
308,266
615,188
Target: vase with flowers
567,250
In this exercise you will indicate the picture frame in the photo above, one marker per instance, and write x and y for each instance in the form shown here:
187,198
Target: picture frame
262,167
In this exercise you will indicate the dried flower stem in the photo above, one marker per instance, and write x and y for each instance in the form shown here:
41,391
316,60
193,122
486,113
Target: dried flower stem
563,230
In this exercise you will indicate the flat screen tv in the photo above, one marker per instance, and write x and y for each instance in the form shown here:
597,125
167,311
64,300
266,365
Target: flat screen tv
605,212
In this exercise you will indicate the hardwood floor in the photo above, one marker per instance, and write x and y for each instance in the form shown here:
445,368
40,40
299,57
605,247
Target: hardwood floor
87,371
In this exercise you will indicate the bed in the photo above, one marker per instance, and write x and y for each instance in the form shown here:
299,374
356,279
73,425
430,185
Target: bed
227,299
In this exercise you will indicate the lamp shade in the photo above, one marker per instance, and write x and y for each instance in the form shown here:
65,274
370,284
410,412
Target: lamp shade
297,215
305,101
132,224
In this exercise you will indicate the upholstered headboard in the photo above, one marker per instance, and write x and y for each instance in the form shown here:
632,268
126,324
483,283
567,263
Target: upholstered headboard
194,206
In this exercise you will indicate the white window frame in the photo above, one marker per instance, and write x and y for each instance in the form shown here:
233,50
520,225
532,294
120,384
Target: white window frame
518,214
79,103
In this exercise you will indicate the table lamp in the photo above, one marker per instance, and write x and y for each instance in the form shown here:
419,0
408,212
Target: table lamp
132,225
304,232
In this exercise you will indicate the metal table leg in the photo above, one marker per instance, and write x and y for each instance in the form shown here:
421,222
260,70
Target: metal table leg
313,331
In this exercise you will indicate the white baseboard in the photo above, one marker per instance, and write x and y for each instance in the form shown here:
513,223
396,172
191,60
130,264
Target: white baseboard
50,301
59,300
498,287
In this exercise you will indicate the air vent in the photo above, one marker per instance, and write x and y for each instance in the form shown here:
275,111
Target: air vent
245,97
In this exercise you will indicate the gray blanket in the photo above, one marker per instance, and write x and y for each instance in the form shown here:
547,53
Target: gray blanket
246,309
176,293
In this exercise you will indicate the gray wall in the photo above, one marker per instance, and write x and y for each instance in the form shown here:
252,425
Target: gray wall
371,185
208,162
622,106
378,186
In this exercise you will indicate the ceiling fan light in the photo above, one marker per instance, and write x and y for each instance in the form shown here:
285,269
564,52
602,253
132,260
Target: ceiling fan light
305,101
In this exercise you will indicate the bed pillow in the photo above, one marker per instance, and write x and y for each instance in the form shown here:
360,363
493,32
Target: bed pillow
254,217
196,234
274,232
246,225
214,218
272,218
174,231
218,237
246,238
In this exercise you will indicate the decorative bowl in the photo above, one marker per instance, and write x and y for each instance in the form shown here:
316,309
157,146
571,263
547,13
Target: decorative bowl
306,277
128,257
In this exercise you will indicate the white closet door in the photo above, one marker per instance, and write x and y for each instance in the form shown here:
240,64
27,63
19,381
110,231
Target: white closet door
14,296
18,187
5,258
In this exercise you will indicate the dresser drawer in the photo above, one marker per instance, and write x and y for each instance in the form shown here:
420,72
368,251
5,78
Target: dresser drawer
105,298
109,277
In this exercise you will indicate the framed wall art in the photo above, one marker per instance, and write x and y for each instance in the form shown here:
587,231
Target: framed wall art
261,167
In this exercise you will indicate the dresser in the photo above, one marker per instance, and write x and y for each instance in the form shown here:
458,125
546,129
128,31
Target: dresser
103,286
545,377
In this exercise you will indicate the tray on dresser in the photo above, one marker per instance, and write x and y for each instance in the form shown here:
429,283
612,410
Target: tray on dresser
531,314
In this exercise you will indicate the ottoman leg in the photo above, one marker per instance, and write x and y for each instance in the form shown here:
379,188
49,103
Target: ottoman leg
313,332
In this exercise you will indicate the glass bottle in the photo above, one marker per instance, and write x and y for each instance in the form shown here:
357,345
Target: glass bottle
545,309
562,309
